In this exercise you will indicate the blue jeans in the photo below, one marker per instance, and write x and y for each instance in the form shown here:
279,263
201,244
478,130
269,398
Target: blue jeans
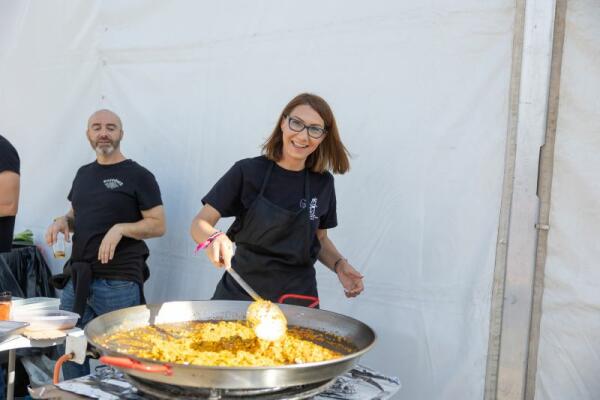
105,296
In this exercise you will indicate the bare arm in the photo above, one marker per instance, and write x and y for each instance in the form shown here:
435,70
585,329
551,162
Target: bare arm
220,251
9,193
329,255
151,225
203,224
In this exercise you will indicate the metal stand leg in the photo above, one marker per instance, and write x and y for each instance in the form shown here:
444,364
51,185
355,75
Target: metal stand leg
10,385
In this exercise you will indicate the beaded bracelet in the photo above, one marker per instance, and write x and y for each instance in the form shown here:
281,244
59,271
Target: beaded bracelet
335,264
208,241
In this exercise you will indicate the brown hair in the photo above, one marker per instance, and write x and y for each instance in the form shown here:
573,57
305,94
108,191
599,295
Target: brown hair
331,155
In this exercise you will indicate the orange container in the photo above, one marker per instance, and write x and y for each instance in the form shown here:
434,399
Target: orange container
5,303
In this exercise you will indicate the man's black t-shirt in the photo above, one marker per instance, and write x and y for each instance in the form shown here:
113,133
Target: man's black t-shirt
102,196
9,161
235,192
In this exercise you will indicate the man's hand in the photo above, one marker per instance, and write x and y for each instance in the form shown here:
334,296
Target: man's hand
106,252
350,278
60,225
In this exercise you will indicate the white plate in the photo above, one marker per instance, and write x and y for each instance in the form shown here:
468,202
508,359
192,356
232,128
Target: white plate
8,328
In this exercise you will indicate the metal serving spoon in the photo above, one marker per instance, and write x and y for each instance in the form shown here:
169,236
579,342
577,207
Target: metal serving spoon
266,318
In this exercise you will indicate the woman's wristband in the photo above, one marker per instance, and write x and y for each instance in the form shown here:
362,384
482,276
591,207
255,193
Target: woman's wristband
208,241
336,264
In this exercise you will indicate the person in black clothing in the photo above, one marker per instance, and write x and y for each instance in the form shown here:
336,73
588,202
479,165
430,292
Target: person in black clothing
284,202
9,192
10,166
115,204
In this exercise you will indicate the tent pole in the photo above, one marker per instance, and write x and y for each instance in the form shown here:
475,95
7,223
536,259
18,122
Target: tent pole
497,301
544,191
512,292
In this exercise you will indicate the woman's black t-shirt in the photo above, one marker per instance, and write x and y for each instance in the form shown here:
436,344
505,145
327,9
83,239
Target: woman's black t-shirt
235,192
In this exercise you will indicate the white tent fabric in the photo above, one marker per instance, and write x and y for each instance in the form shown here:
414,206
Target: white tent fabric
420,91
569,349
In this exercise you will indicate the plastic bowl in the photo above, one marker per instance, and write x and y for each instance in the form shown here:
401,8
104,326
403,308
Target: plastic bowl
35,304
47,319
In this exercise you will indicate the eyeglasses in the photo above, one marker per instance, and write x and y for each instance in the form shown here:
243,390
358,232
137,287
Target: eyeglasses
297,125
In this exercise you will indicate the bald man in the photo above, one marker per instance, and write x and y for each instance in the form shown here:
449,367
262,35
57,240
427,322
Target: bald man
115,204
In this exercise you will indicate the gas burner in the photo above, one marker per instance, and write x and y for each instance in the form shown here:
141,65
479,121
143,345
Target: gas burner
156,390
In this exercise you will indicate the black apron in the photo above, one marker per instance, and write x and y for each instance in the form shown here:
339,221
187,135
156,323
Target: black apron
272,251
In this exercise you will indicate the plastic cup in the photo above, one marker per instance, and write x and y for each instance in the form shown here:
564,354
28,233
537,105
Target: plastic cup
59,246
5,303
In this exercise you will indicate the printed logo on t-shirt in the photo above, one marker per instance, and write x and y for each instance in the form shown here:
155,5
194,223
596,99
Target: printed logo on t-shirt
312,210
112,183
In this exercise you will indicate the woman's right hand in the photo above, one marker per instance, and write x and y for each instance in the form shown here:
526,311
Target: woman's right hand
220,251
59,225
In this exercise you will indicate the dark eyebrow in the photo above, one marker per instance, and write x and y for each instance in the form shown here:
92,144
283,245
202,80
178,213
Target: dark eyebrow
111,125
316,125
95,125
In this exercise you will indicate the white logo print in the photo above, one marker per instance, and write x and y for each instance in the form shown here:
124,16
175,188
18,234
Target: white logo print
312,209
112,183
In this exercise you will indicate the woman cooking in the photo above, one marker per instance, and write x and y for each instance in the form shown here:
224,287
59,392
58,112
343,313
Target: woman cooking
284,202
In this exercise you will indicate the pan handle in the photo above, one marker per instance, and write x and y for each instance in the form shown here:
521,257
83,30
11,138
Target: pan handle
315,300
128,363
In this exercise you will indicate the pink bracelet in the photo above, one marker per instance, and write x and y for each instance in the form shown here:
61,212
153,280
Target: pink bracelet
208,241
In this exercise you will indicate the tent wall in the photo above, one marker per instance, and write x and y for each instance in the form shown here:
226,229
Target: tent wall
420,91
569,347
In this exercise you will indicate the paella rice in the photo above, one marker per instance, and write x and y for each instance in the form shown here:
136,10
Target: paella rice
219,343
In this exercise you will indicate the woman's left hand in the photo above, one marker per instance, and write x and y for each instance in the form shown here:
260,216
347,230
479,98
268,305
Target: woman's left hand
351,279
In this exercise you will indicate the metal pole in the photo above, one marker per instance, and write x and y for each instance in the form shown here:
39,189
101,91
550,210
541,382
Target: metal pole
512,300
497,302
10,391
544,191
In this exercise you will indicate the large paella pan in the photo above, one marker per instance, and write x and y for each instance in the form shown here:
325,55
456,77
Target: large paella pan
356,339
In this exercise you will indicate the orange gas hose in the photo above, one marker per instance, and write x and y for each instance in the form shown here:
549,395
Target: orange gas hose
59,363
